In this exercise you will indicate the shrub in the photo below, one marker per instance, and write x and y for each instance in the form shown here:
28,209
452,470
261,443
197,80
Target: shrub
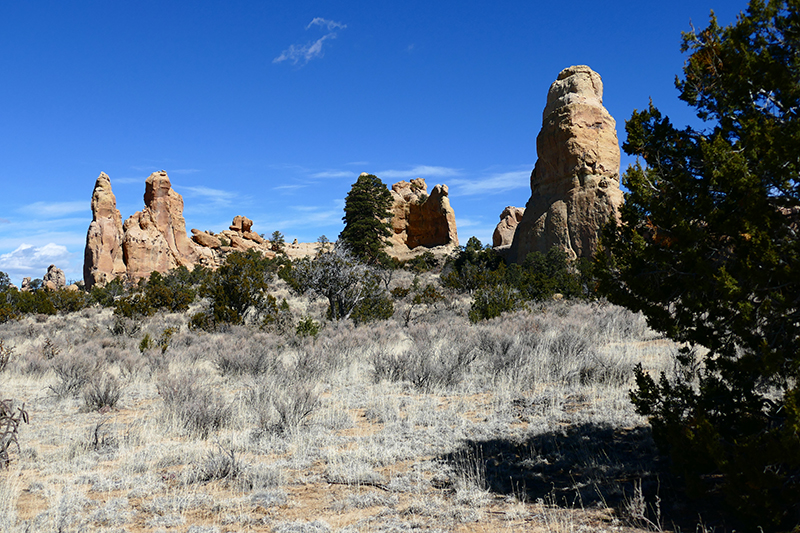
492,301
307,327
195,406
352,289
73,372
283,403
237,290
102,392
5,354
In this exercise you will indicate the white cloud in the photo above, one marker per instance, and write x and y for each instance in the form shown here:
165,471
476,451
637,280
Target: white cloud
334,174
126,181
289,187
54,209
492,184
30,260
330,24
421,171
215,196
305,53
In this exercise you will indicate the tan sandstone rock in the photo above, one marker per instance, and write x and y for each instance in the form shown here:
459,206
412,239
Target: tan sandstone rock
155,238
54,279
504,232
205,239
103,259
241,224
575,183
420,219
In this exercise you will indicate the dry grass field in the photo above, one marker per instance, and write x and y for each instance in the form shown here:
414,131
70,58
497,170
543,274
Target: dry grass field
521,423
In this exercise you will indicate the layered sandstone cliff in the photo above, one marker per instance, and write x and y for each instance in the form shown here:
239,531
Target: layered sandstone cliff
575,183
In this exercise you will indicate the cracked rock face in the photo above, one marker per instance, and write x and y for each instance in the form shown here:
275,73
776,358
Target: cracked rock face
575,183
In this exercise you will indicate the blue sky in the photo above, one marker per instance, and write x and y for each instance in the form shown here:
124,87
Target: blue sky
271,109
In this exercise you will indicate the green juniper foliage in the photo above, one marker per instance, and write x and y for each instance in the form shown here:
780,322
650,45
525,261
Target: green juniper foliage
709,251
366,210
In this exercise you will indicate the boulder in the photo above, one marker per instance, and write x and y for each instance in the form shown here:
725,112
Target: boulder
205,239
241,224
575,183
420,219
504,232
54,279
103,259
155,238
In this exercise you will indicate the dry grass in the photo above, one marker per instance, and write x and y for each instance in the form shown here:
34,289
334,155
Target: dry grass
519,424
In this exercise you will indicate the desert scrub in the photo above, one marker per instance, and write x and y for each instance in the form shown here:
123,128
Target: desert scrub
193,404
73,371
102,392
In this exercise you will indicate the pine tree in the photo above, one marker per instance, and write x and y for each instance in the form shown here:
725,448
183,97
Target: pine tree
709,250
366,210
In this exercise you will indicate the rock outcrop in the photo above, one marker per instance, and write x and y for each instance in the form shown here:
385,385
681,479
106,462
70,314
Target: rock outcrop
503,234
420,219
575,183
155,238
54,279
103,260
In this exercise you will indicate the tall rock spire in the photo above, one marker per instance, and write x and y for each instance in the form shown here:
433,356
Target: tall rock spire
103,259
575,183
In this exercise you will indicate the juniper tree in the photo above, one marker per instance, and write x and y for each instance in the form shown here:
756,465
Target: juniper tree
709,250
366,214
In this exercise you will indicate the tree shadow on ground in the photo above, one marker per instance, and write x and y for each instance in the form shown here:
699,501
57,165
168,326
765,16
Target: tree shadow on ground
590,466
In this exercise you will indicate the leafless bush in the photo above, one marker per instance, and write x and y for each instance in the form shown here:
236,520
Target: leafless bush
10,418
283,404
102,392
5,355
196,406
73,372
218,464
49,349
254,357
425,364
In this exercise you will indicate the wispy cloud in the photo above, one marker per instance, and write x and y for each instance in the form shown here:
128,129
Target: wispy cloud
334,174
4,221
492,184
289,187
217,197
302,54
330,24
421,171
126,181
54,209
185,170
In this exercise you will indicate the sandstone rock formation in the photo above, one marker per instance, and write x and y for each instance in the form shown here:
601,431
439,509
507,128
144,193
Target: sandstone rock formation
155,238
503,234
575,183
103,260
54,279
419,219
